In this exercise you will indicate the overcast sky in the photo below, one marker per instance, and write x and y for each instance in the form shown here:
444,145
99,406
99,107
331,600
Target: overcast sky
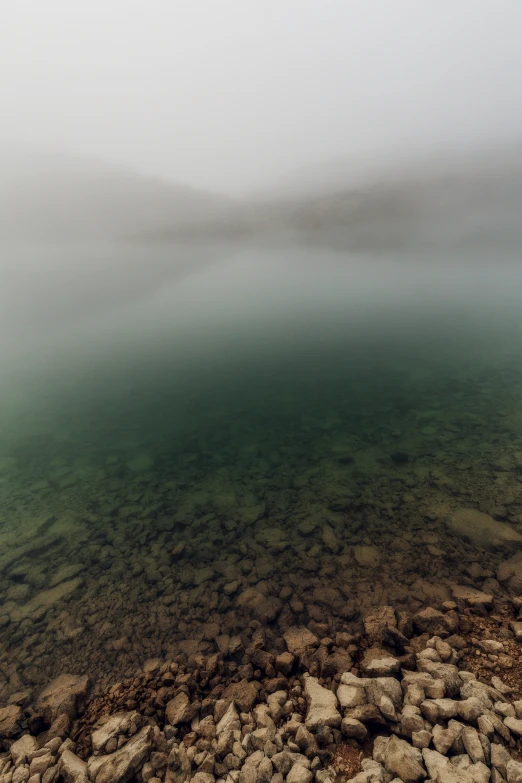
233,94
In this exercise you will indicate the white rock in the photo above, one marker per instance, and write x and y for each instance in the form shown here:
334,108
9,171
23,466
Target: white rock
461,762
472,743
421,739
434,762
411,720
20,774
350,696
229,721
22,748
354,729
514,725
504,709
514,771
322,705
436,709
470,709
443,739
403,760
72,768
123,764
299,774
119,723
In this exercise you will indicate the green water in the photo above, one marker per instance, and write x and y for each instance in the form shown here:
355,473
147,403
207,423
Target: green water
277,439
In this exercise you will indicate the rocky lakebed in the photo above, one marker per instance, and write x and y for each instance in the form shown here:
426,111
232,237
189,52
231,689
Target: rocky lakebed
310,594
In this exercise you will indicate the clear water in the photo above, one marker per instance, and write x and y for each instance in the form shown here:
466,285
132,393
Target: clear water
277,438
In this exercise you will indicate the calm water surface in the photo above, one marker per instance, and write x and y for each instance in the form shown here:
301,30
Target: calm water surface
278,438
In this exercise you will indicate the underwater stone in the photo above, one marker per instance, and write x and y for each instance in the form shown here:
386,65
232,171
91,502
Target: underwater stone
482,530
140,463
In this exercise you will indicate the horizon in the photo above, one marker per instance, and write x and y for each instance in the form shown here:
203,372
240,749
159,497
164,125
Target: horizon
321,176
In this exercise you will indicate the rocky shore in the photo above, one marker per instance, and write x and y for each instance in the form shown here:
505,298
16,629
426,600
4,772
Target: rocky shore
433,696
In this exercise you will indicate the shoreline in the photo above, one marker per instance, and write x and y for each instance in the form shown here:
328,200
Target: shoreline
358,706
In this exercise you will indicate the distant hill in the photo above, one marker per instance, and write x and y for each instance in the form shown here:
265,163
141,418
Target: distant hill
458,203
62,222
58,196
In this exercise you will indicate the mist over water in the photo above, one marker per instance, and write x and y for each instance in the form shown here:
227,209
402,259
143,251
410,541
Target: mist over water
256,321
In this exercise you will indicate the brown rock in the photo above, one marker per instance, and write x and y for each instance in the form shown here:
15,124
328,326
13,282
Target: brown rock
298,639
11,721
379,663
432,621
263,660
243,693
284,663
178,710
59,727
376,622
64,695
338,662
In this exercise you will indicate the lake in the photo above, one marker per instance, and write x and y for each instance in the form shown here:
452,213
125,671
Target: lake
284,435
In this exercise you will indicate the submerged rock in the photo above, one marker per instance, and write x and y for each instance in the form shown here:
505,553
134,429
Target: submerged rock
66,572
40,604
64,695
140,463
510,571
471,596
482,530
11,721
298,639
367,556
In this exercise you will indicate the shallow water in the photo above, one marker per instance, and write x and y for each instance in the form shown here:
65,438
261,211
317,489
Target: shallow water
278,438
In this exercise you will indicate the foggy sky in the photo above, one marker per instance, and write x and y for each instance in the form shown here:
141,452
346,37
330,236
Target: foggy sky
233,95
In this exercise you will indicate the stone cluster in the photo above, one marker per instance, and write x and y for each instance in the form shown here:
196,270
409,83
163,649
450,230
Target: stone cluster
399,705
